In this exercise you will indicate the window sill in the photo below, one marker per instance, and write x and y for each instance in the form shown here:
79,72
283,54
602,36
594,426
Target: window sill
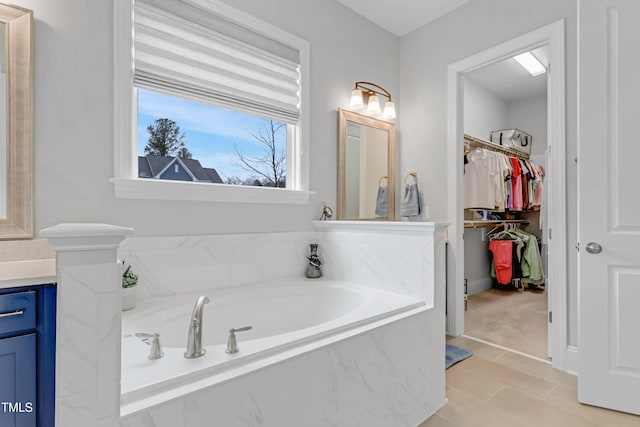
197,191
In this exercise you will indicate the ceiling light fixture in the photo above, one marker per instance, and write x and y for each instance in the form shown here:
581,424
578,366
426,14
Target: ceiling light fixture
365,91
531,63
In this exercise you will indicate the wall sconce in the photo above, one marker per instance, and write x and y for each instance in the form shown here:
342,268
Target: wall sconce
365,91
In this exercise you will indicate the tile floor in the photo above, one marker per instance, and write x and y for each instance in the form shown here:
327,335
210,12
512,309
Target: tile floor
499,388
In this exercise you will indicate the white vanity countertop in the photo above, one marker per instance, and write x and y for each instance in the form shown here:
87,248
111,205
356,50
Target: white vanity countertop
29,272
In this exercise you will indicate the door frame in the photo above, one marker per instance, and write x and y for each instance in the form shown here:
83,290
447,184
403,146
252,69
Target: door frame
555,184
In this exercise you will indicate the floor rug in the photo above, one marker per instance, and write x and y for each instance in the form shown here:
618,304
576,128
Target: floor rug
455,354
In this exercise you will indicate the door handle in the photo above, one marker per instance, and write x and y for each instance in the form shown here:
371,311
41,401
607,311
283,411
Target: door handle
593,248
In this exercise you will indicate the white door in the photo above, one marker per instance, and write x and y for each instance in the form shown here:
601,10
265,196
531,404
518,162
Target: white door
609,203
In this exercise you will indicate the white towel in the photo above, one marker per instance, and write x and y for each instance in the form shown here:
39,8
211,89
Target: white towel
411,200
382,203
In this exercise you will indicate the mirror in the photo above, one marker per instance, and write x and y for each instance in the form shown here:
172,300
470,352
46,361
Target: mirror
16,122
366,164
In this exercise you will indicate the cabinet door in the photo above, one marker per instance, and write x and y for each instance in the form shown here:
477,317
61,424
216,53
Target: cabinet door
18,381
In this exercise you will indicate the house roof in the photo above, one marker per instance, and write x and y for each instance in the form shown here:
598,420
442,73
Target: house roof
151,166
158,163
213,175
144,169
196,169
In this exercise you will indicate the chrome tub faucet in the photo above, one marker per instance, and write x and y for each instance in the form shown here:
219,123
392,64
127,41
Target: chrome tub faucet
194,339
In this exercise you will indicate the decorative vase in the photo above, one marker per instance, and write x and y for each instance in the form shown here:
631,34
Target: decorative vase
313,270
128,298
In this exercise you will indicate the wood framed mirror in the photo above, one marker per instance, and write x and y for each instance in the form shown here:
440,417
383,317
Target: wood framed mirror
16,123
366,167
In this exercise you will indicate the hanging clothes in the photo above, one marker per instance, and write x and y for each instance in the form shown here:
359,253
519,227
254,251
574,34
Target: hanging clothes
497,182
502,259
516,185
537,191
506,183
526,260
503,179
479,179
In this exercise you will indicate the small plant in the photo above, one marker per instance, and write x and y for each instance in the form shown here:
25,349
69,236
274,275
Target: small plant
129,277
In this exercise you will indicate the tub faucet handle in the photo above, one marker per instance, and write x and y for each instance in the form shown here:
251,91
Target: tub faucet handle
232,343
152,339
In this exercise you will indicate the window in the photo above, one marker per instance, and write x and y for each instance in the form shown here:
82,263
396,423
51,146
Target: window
215,145
228,89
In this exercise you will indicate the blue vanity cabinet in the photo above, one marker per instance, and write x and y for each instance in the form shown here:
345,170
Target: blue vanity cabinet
18,383
27,356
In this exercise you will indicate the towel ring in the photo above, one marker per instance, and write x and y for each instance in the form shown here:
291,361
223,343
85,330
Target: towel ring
380,180
413,174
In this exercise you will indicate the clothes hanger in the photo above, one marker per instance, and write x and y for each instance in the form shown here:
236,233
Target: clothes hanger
508,232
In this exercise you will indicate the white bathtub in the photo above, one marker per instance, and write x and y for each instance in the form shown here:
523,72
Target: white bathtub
287,318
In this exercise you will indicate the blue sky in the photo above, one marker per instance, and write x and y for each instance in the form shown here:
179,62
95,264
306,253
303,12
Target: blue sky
210,132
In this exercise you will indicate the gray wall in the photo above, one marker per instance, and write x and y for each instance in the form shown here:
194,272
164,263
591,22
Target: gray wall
483,111
74,115
477,261
424,57
530,115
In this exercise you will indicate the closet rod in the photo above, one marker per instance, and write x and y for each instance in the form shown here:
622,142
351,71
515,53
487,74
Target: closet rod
494,147
493,223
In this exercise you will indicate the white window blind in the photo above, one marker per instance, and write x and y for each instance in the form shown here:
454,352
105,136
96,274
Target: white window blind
183,48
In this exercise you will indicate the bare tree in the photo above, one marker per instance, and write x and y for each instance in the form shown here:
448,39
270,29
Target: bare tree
271,167
184,153
250,180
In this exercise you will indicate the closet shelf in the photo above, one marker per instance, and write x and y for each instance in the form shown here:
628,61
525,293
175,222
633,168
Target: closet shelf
477,142
493,223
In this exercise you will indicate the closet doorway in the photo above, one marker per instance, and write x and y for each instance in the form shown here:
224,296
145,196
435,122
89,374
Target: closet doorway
461,122
508,308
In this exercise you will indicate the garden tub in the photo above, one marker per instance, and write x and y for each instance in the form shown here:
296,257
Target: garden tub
287,319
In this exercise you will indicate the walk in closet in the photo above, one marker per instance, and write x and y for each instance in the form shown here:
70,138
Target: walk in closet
504,207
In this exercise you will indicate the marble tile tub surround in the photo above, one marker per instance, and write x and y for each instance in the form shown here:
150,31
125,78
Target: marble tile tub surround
376,379
184,264
398,257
